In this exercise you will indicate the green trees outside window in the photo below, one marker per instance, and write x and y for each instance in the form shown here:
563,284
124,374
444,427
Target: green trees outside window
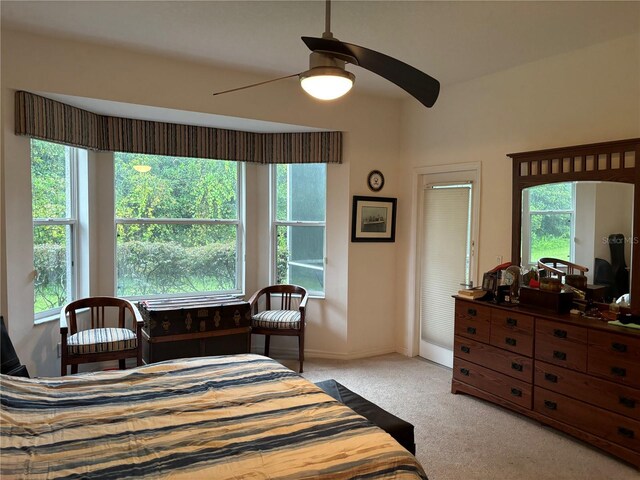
177,225
54,223
551,217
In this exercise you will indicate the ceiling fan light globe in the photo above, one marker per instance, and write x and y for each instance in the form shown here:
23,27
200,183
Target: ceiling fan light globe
327,83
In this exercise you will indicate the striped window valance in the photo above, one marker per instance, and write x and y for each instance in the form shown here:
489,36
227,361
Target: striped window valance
46,119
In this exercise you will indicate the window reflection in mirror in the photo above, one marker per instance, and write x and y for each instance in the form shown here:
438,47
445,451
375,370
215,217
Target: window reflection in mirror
573,221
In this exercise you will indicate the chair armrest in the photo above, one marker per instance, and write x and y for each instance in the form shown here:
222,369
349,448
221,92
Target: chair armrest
303,302
253,301
138,321
64,327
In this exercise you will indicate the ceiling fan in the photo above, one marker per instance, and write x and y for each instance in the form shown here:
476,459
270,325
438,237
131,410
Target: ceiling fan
327,78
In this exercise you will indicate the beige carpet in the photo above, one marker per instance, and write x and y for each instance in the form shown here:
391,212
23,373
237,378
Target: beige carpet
461,437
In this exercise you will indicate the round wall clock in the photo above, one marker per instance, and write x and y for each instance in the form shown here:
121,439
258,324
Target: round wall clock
375,180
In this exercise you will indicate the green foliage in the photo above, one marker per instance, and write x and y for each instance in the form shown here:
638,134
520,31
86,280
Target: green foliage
50,285
548,246
553,196
147,268
49,184
175,258
550,226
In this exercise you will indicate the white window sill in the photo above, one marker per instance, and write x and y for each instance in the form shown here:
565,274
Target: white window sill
49,318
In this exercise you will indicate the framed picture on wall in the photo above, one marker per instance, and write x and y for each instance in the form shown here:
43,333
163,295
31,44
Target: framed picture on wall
373,219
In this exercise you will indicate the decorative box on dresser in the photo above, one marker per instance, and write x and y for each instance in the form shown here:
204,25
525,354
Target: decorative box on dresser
576,375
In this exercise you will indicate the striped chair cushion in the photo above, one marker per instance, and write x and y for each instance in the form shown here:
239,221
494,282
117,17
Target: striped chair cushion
102,340
277,319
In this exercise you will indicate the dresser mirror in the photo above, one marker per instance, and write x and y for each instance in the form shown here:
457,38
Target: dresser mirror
581,222
584,193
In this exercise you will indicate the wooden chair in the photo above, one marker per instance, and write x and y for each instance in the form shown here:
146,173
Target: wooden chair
286,320
100,342
560,268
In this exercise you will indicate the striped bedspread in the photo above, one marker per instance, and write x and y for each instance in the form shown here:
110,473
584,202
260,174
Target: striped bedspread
220,418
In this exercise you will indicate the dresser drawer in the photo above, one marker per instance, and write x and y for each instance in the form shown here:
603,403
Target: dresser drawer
561,331
561,344
608,425
511,339
602,393
503,386
615,357
473,321
502,361
516,322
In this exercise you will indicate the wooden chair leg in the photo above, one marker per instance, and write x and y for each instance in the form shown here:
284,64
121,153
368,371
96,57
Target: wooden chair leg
63,371
267,339
301,350
74,368
122,364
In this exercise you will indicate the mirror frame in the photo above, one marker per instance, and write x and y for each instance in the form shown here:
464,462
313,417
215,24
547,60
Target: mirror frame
616,161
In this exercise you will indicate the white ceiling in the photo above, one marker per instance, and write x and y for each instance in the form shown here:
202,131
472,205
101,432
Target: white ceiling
451,41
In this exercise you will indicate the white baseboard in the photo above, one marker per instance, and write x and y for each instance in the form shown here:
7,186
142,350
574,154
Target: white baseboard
292,353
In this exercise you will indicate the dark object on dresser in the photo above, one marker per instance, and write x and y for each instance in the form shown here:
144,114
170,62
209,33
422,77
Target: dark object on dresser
10,363
618,264
198,326
603,275
559,302
400,430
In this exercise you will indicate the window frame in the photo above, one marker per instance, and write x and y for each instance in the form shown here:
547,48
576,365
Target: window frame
72,166
240,237
275,223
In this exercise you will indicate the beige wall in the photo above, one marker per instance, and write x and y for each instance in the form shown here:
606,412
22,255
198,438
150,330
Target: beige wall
585,96
337,325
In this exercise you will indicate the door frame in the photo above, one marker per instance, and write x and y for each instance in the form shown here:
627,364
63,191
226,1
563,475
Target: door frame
414,274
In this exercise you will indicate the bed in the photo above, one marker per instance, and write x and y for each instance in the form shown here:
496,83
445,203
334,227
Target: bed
228,417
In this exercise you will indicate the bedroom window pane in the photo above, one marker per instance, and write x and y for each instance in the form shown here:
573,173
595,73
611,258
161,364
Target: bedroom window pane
301,192
178,225
53,201
152,186
548,222
52,260
299,208
175,258
300,256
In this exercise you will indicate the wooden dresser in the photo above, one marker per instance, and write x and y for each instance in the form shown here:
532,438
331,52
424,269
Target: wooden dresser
579,376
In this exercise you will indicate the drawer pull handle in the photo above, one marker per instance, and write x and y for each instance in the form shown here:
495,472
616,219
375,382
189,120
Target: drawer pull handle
628,402
510,341
516,392
550,377
516,366
512,322
619,371
472,311
465,349
559,333
471,330
619,347
464,371
550,405
559,355
625,432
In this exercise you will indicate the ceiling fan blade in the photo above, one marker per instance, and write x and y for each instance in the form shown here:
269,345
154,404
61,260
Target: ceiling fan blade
423,87
254,84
